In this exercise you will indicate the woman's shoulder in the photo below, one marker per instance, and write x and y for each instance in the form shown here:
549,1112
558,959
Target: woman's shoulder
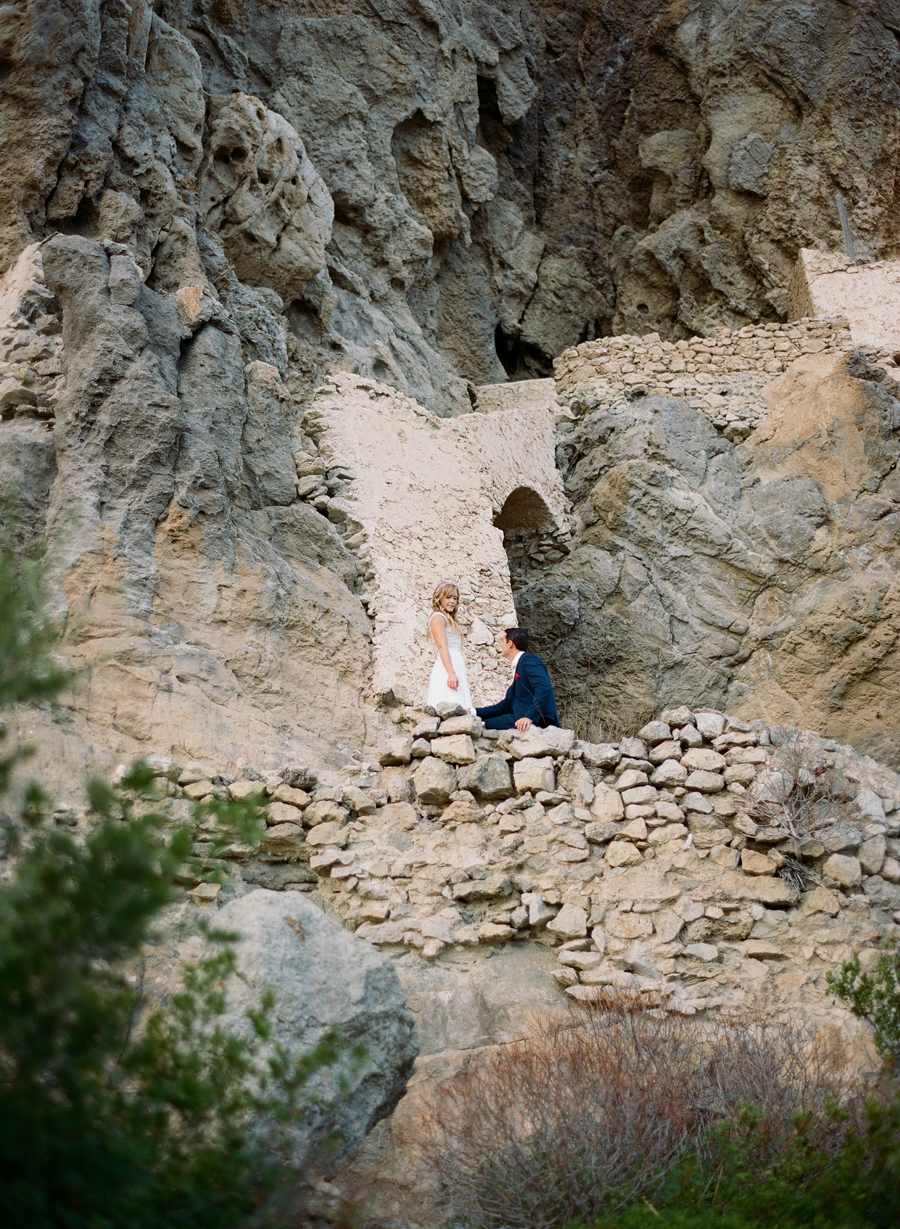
437,614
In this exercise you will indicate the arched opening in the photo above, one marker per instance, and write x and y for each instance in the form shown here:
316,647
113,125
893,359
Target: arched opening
531,538
523,508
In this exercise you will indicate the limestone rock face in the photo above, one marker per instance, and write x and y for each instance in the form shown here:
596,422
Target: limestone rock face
324,977
756,577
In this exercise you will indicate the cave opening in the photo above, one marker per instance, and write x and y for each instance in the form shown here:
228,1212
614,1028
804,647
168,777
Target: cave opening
520,359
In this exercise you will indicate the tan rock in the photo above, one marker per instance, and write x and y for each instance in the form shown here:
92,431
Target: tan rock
631,778
283,840
767,890
629,926
668,750
570,922
324,811
283,813
759,949
334,834
454,749
843,869
636,830
607,806
397,751
240,791
754,863
623,853
534,775
820,900
198,789
286,793
434,781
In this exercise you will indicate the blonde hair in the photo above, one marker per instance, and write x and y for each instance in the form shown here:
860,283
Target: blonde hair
442,591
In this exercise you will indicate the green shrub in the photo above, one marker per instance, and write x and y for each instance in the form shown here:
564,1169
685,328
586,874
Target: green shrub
115,1114
874,997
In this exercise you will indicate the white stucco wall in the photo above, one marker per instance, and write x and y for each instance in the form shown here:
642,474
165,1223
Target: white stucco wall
827,284
425,492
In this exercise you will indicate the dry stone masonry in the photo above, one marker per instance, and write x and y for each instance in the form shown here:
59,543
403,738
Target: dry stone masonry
722,376
712,861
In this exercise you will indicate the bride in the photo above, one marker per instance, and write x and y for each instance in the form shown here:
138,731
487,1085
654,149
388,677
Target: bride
448,683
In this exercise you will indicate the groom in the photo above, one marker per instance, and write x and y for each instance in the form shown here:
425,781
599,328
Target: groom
530,699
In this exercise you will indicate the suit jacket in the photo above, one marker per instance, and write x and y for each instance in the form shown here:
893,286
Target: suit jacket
531,694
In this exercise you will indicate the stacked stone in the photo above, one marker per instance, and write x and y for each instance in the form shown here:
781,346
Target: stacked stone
531,551
721,375
658,862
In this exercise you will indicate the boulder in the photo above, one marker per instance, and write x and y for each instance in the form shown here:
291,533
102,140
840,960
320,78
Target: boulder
881,893
599,755
283,841
434,781
703,758
669,772
710,724
397,751
843,869
535,742
534,775
570,922
623,853
488,777
655,732
323,977
454,748
871,855
705,782
754,863
607,805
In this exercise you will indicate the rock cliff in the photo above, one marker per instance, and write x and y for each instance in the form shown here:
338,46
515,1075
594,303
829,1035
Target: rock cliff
231,203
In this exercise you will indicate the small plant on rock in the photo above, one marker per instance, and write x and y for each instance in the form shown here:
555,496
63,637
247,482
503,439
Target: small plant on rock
875,997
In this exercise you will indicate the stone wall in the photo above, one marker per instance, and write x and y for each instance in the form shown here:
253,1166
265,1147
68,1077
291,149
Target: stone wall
423,500
715,862
722,376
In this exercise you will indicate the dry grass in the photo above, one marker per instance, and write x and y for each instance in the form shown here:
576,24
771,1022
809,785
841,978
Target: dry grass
596,722
585,1113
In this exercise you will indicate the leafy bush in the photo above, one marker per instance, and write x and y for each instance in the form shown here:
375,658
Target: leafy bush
875,997
115,1114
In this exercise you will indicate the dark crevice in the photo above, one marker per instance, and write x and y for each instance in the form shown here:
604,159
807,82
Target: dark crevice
521,360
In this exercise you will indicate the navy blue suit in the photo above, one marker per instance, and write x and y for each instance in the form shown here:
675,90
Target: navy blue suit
531,695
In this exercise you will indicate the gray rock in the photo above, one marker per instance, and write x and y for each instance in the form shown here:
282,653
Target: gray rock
655,732
434,781
883,894
322,977
488,778
710,724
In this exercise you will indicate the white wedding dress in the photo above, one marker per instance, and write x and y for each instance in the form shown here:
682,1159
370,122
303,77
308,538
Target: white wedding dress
438,691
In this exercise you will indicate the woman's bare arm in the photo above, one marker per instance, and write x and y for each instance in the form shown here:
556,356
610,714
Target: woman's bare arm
438,625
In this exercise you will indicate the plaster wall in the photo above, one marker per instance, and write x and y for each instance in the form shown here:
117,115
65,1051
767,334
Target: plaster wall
828,284
422,495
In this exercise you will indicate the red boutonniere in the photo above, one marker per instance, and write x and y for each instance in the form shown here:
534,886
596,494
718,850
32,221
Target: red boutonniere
516,675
